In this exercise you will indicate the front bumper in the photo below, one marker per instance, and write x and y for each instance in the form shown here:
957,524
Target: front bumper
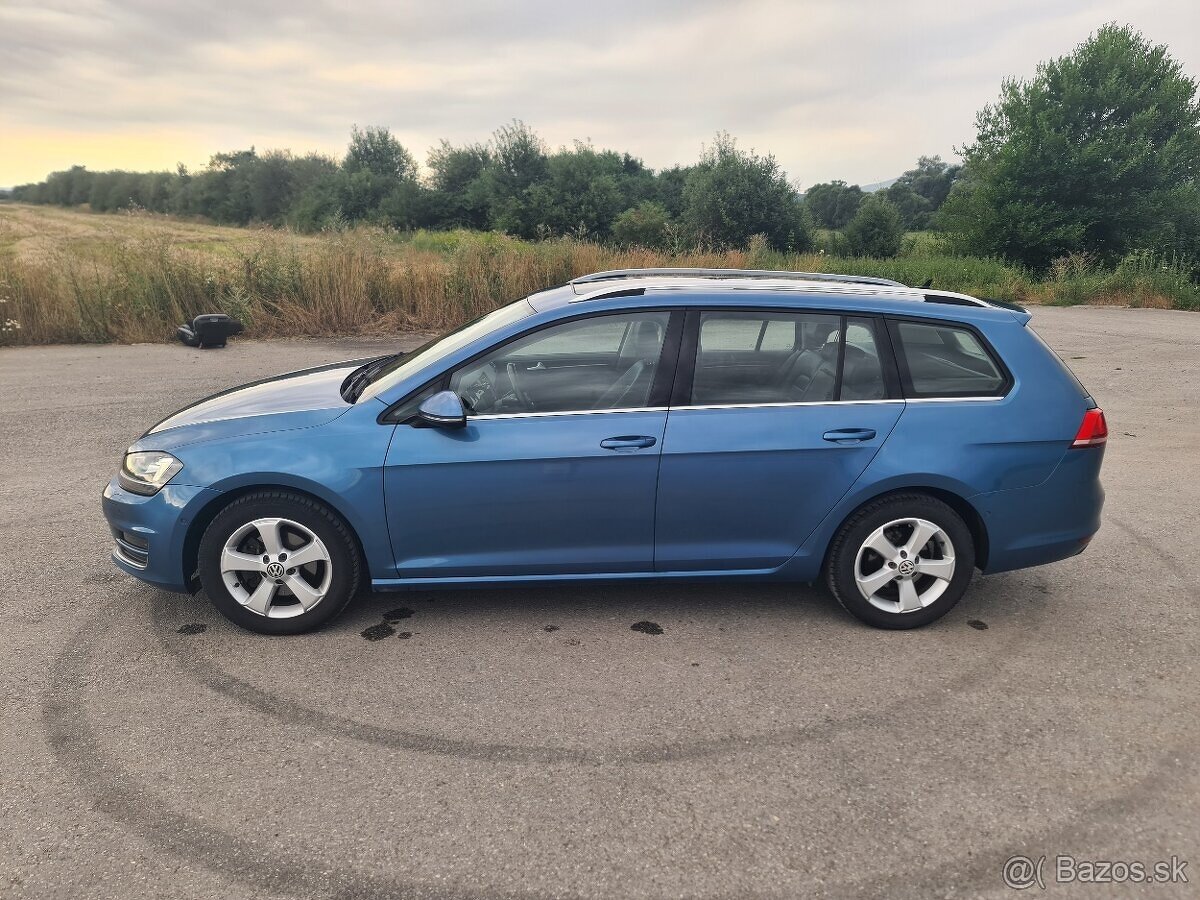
149,533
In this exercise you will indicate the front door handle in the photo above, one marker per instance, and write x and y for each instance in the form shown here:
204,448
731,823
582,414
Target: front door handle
629,442
849,435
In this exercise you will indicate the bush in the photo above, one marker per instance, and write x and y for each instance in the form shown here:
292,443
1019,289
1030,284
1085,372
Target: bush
875,230
644,225
833,204
732,194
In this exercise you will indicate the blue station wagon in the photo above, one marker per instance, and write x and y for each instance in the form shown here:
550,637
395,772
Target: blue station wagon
634,425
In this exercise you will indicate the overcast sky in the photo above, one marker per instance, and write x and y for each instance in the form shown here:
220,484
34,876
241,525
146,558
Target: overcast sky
838,89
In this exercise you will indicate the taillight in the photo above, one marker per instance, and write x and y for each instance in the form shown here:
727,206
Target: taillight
1094,430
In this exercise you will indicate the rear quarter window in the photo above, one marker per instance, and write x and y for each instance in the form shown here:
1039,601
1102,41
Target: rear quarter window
940,359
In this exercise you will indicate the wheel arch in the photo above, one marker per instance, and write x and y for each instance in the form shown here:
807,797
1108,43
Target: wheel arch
966,511
204,516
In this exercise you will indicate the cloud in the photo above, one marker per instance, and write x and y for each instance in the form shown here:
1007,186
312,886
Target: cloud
847,89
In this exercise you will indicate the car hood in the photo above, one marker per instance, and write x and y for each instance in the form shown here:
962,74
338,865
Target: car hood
300,399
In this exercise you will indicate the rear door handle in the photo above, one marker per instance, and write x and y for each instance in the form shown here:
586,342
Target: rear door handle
849,435
629,442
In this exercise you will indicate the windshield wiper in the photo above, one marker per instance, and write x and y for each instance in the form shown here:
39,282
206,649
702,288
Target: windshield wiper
357,381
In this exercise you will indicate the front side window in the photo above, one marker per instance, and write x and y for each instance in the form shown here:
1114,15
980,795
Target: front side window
402,365
779,357
944,360
601,362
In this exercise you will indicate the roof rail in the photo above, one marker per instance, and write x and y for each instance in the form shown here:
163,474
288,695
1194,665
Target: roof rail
618,274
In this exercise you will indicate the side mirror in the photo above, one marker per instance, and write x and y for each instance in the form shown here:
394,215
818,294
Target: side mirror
443,410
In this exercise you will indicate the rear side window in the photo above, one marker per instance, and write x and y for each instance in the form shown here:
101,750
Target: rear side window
942,360
748,358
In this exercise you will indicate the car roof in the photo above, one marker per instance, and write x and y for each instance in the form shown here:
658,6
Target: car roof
738,287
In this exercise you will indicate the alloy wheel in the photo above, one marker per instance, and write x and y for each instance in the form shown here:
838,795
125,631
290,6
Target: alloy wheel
905,565
276,567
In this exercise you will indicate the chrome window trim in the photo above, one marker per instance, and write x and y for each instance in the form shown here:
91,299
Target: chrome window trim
785,404
566,412
990,398
655,409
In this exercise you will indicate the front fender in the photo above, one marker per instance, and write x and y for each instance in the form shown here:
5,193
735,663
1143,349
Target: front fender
340,464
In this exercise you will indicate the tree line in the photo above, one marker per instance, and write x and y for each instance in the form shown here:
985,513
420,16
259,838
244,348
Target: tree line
1098,154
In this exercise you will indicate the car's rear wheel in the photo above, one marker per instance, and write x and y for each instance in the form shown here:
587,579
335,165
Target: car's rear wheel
277,562
901,562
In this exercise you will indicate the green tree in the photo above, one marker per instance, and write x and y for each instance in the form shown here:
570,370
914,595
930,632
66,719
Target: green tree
1098,152
733,194
518,162
833,204
315,181
271,183
373,149
876,229
582,193
644,225
920,192
668,189
458,194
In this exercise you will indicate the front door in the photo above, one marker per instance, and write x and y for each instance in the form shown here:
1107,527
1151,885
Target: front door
777,421
555,472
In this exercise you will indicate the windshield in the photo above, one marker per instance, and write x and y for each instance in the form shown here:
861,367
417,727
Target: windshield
402,366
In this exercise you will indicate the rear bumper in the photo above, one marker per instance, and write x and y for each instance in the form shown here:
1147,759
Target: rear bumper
1048,522
149,532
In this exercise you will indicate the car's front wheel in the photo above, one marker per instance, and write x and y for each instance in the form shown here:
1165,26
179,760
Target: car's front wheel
278,562
901,561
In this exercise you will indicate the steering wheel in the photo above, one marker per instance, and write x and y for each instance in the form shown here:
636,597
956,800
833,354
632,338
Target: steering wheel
511,370
480,395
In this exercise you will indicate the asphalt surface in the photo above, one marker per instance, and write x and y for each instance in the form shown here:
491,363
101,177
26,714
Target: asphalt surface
529,743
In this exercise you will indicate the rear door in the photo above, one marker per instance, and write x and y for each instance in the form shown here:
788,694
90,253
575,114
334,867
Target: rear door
758,450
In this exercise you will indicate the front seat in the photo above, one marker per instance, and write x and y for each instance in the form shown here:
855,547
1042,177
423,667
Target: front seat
643,346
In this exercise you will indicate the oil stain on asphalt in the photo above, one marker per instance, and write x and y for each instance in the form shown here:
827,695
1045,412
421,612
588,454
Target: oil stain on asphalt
379,632
977,624
192,628
647,627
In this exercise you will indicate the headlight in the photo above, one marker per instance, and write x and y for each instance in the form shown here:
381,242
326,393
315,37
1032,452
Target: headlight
147,471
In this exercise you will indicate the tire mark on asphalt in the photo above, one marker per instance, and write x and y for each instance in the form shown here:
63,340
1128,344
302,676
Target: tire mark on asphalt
983,871
1162,782
114,792
289,712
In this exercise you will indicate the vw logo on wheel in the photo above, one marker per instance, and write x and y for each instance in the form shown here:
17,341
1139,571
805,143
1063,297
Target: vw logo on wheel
906,568
275,570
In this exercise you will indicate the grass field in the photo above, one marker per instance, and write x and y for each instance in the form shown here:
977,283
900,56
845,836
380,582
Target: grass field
70,276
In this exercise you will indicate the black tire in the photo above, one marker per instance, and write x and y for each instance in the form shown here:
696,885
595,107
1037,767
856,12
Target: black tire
843,557
345,561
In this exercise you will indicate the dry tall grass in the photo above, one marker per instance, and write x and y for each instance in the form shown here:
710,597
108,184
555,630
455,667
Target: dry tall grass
138,283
